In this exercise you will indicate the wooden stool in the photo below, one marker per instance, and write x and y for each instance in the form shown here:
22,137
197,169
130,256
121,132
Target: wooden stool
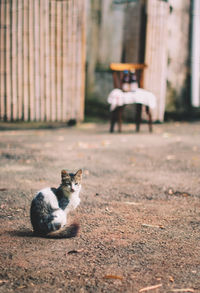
116,115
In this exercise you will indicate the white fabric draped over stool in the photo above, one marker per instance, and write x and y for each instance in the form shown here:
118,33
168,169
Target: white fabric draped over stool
119,98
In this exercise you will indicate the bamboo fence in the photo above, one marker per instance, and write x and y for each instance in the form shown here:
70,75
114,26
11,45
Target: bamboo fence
42,60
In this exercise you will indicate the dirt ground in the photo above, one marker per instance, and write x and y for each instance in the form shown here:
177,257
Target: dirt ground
139,214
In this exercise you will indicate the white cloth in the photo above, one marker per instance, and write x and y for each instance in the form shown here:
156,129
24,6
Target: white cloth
118,98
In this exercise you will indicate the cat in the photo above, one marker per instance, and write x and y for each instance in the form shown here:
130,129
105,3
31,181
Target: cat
50,207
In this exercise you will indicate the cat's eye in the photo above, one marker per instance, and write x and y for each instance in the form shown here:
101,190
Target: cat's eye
76,183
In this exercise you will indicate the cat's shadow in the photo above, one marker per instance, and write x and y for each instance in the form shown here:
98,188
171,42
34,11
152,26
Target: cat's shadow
23,233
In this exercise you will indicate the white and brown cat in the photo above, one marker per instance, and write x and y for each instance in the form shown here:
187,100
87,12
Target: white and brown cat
50,207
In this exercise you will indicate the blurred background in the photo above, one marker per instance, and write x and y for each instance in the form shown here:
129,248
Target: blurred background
55,57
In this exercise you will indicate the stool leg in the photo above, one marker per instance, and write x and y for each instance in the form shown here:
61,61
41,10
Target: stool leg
119,118
150,118
138,116
113,120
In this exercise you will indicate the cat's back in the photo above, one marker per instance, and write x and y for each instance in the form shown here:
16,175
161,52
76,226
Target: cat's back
46,196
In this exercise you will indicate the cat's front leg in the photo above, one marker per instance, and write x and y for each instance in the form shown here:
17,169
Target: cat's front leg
74,202
60,218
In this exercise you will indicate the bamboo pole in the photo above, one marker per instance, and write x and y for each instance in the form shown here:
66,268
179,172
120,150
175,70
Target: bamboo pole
11,59
8,63
65,57
2,59
42,62
37,59
83,58
73,60
62,61
69,59
14,59
77,60
31,60
58,59
20,60
50,59
26,60
47,60
53,63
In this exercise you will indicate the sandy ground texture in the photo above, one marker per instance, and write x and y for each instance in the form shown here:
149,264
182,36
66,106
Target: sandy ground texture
139,214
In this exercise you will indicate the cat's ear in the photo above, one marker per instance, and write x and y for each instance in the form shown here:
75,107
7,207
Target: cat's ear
64,175
78,175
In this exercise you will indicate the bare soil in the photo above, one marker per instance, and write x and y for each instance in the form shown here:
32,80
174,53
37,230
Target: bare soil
139,214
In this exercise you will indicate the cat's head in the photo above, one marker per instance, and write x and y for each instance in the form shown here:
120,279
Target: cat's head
71,182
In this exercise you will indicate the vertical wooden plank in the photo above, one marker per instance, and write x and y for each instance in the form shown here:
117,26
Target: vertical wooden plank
47,60
62,61
11,58
42,61
14,59
31,60
26,60
37,59
73,40
50,58
65,64
79,60
76,59
69,59
156,56
58,59
83,58
8,63
53,64
20,58
2,58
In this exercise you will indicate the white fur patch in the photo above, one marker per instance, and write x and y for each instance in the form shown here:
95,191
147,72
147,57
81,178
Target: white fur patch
49,197
74,200
60,217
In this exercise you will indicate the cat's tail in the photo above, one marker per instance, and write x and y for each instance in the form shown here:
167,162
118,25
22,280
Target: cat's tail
65,232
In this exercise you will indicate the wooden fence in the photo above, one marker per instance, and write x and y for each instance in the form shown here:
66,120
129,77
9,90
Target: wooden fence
42,60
